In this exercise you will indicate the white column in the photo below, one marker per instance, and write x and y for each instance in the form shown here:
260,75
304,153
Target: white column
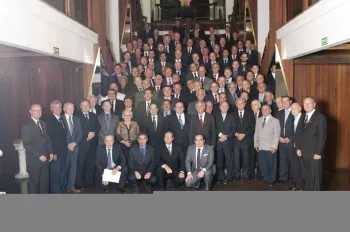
263,24
229,8
112,18
23,174
146,6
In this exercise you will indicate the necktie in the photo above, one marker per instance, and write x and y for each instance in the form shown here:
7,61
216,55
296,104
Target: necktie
306,119
195,75
256,116
143,154
234,97
201,79
42,133
146,54
169,149
241,116
60,120
212,44
167,49
87,116
70,125
215,98
225,61
112,108
178,72
109,155
157,89
107,120
147,108
154,123
198,159
181,122
201,120
264,122
223,117
189,50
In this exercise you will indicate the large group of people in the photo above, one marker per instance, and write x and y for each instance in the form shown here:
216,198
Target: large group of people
178,112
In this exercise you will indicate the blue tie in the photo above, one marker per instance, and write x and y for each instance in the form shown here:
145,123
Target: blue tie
264,122
107,120
143,154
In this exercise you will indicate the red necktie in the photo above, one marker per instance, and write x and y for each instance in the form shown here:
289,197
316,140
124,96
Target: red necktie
201,120
157,89
215,98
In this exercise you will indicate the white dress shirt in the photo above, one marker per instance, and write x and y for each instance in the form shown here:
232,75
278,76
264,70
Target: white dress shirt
67,119
36,122
113,164
182,117
309,115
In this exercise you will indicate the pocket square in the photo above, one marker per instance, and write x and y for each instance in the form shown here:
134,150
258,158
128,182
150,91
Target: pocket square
205,154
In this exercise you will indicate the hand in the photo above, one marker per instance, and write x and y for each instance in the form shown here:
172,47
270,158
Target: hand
43,158
287,140
189,177
282,140
257,148
138,175
317,157
273,150
105,182
54,157
147,176
90,135
299,153
71,146
51,157
168,170
181,175
114,171
200,174
223,138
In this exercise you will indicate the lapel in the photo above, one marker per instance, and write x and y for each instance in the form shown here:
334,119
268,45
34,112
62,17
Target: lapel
301,122
205,118
311,120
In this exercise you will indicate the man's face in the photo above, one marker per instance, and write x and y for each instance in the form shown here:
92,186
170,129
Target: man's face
118,70
111,95
177,89
268,96
56,109
255,106
69,109
200,95
266,110
35,111
166,106
286,102
199,141
235,65
240,105
244,57
232,88
224,107
107,107
85,106
262,88
309,105
142,140
209,107
214,88
93,102
200,108
201,71
128,103
190,85
215,68
109,141
279,103
179,108
148,95
295,109
227,73
114,86
153,109
234,50
167,92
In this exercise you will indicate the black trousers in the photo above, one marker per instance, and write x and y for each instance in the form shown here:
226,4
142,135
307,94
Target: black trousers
81,167
135,182
254,163
312,173
163,176
295,169
286,152
90,166
241,160
39,179
224,158
123,175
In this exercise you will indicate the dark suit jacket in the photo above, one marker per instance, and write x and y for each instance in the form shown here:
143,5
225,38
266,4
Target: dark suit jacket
101,158
76,135
181,136
244,69
118,107
147,35
57,135
158,68
223,65
271,82
247,127
313,138
227,127
208,129
136,163
299,129
253,59
36,143
287,128
155,137
141,113
98,109
90,125
175,161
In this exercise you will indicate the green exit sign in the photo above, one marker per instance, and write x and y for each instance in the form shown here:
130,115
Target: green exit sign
56,51
324,41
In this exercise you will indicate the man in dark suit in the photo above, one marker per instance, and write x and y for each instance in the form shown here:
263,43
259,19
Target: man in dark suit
253,56
111,157
39,151
154,126
225,131
179,124
271,79
243,139
310,145
178,28
142,163
142,110
57,133
202,123
147,32
286,146
74,136
244,67
200,163
295,162
269,96
89,129
116,105
162,63
170,162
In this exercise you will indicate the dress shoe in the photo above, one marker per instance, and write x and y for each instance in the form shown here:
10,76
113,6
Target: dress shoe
74,190
149,189
136,190
271,184
297,189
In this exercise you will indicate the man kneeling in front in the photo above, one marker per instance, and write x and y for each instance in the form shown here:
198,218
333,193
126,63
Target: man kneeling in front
200,163
111,157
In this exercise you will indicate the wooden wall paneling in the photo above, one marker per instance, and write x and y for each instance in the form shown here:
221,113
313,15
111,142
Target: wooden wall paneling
253,10
123,6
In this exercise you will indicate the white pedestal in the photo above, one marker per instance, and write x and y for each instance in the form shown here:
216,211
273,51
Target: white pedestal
23,174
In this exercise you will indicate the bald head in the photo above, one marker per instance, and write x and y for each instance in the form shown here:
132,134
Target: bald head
295,108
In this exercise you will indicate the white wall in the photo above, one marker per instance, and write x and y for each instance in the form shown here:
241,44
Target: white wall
229,7
36,26
112,24
303,35
147,9
263,24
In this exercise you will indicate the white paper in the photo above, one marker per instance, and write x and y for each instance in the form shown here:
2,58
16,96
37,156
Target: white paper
108,176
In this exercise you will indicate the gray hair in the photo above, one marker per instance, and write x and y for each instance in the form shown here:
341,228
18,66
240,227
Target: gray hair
55,102
126,111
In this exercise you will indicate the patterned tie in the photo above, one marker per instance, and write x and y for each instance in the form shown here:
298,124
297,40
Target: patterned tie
86,116
306,119
71,125
181,122
201,120
109,155
143,153
264,122
108,121
42,133
154,123
215,98
241,116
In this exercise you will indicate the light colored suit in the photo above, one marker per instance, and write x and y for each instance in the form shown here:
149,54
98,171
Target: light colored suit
206,83
207,163
268,137
104,130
